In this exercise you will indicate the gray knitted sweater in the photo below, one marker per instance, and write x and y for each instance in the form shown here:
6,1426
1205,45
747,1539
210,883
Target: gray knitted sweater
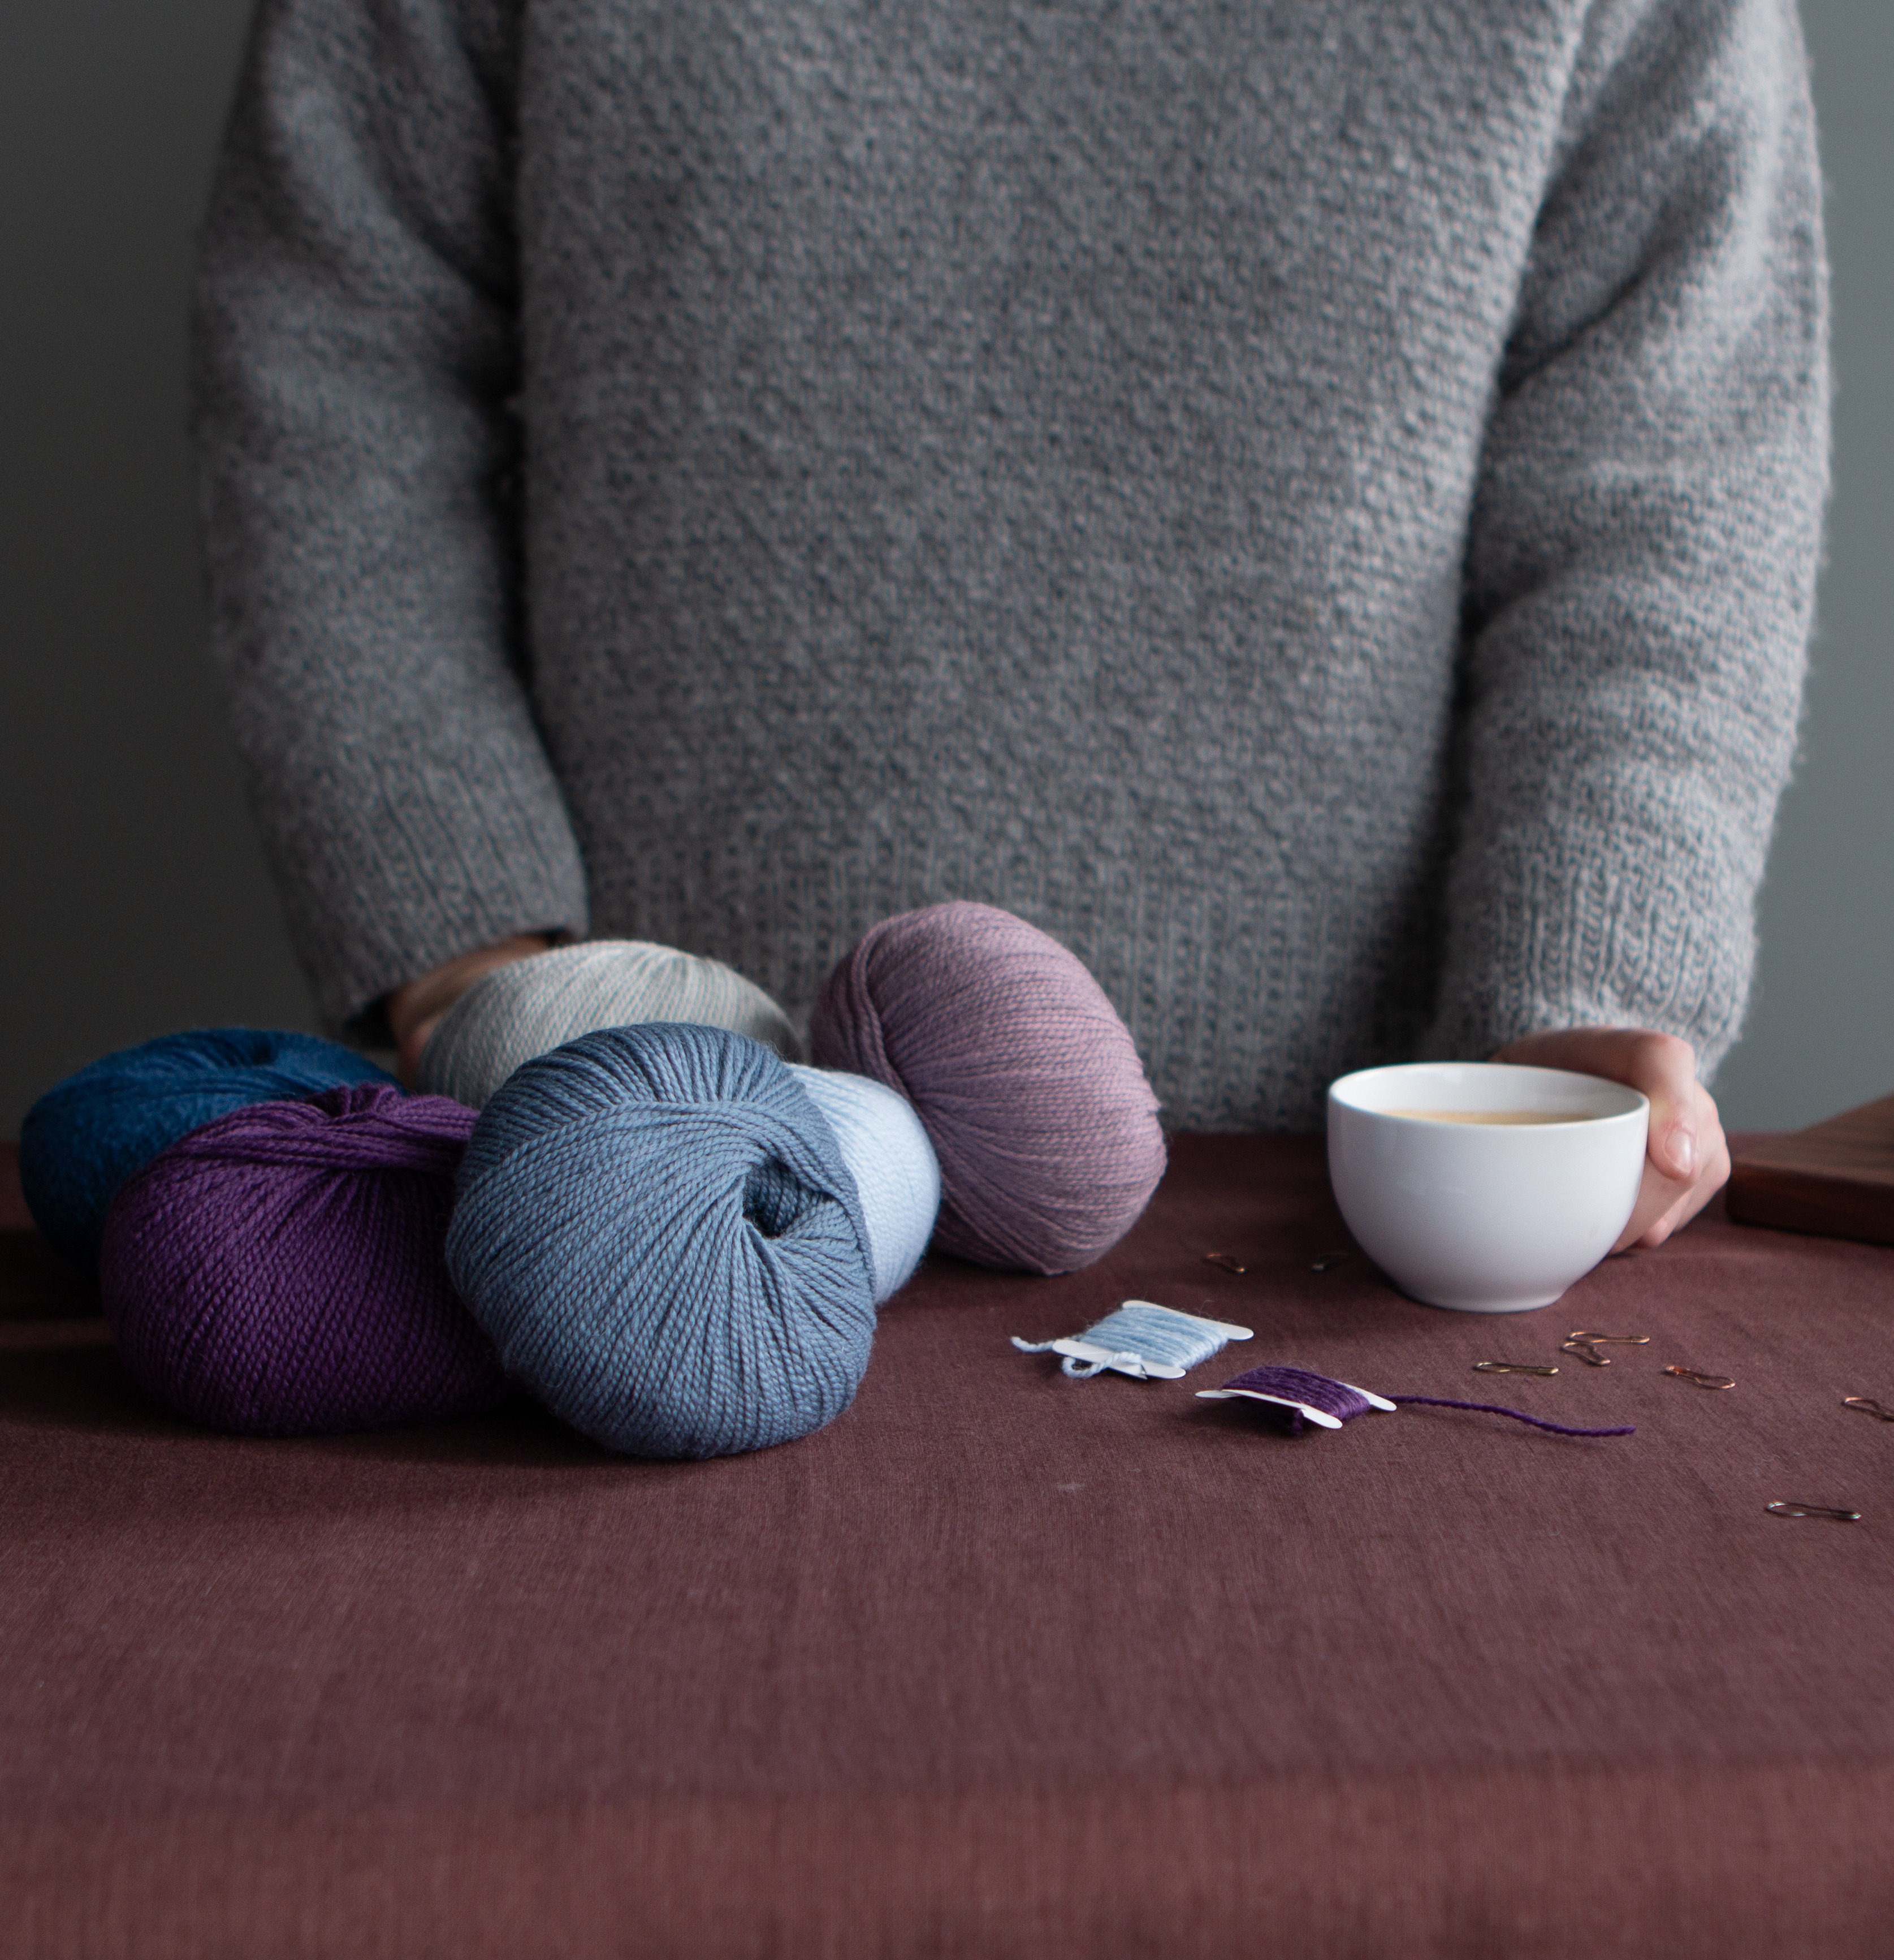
1316,506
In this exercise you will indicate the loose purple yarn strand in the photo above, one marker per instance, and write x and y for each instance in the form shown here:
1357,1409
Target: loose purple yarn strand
1517,1415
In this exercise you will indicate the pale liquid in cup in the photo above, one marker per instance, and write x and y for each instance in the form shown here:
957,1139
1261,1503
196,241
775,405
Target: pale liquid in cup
1492,1115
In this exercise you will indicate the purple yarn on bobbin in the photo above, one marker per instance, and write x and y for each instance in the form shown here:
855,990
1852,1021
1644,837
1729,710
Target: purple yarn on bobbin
1283,1388
1027,1080
280,1271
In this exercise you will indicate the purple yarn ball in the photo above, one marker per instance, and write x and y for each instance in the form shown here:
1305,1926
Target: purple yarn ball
280,1271
1028,1081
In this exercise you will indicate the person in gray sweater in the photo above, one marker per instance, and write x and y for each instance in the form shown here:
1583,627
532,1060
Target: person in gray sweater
1316,507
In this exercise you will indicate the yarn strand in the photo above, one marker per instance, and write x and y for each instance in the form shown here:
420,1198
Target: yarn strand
1517,1415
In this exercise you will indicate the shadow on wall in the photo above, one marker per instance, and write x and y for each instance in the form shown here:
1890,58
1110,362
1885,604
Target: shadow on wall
136,898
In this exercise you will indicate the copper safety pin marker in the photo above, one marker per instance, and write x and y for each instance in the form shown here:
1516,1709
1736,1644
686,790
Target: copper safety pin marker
1696,1377
1511,1368
1783,1508
1868,1407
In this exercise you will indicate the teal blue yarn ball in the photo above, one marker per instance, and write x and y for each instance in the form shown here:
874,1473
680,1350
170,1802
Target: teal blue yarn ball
86,1135
655,1226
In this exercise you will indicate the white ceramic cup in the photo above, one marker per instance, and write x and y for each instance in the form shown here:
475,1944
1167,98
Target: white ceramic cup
1490,1218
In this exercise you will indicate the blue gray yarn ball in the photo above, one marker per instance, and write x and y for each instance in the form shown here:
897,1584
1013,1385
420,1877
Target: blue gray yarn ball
657,1230
86,1135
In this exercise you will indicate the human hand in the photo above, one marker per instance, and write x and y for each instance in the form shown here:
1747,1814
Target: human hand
413,1010
1686,1159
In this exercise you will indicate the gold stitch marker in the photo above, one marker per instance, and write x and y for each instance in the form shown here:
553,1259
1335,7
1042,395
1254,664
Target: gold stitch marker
1580,1345
1511,1368
1227,1261
1612,1340
1788,1510
1699,1380
1867,1407
1327,1259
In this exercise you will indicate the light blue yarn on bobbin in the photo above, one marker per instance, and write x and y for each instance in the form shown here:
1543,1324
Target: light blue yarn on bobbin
1138,1334
658,1230
892,1159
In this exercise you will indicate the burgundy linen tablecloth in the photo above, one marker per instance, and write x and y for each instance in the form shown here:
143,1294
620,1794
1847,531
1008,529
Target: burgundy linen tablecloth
1000,1664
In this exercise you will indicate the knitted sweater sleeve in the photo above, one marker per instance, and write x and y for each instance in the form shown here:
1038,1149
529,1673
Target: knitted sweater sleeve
355,352
1644,540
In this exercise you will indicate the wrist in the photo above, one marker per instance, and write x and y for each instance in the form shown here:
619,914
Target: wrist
413,1009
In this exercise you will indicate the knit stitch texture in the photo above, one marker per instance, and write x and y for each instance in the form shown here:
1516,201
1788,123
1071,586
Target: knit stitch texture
1315,507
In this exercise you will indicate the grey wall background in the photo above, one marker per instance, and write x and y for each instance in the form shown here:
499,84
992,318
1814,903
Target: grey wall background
134,897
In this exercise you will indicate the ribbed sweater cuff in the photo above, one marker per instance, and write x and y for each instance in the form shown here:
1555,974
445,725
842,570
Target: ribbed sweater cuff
1563,940
427,866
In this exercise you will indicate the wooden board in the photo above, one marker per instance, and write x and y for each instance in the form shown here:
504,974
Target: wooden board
1835,1179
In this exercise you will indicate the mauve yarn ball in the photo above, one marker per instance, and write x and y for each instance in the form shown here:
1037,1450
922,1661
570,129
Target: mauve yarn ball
280,1272
86,1135
656,1228
1028,1081
530,1006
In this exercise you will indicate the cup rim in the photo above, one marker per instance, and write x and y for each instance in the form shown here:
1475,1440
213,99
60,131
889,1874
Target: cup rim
1626,1105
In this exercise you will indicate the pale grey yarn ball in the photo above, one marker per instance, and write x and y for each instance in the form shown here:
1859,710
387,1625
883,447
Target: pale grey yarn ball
530,1006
